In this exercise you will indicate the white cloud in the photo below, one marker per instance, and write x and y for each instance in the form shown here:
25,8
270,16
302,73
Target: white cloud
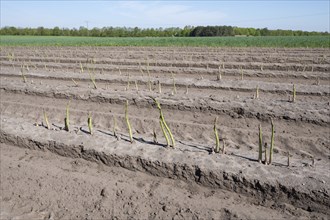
158,14
135,5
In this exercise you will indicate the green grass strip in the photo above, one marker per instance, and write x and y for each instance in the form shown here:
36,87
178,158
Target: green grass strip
261,41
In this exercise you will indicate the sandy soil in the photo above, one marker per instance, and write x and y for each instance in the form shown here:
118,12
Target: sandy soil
42,185
112,178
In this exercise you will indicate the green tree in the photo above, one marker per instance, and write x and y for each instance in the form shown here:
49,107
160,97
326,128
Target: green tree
56,31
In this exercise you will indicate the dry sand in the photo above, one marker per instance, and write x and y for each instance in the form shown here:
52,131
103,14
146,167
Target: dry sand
54,174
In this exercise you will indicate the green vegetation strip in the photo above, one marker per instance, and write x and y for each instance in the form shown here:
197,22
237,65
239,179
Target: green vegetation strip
264,41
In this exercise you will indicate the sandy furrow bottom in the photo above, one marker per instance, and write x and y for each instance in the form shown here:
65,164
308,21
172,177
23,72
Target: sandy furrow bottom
42,185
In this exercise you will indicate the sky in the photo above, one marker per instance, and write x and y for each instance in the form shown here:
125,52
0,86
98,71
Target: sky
296,15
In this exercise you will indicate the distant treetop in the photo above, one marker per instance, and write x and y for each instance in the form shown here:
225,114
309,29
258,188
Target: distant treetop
199,31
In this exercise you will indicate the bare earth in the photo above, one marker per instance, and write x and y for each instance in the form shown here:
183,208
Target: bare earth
54,174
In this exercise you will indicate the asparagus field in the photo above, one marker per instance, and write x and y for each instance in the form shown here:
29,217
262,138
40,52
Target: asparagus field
165,133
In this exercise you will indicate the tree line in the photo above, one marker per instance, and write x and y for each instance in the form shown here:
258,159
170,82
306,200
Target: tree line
187,31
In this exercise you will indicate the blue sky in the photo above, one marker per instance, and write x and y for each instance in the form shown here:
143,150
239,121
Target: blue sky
296,15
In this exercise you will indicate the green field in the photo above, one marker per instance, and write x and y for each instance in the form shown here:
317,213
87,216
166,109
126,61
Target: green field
278,41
